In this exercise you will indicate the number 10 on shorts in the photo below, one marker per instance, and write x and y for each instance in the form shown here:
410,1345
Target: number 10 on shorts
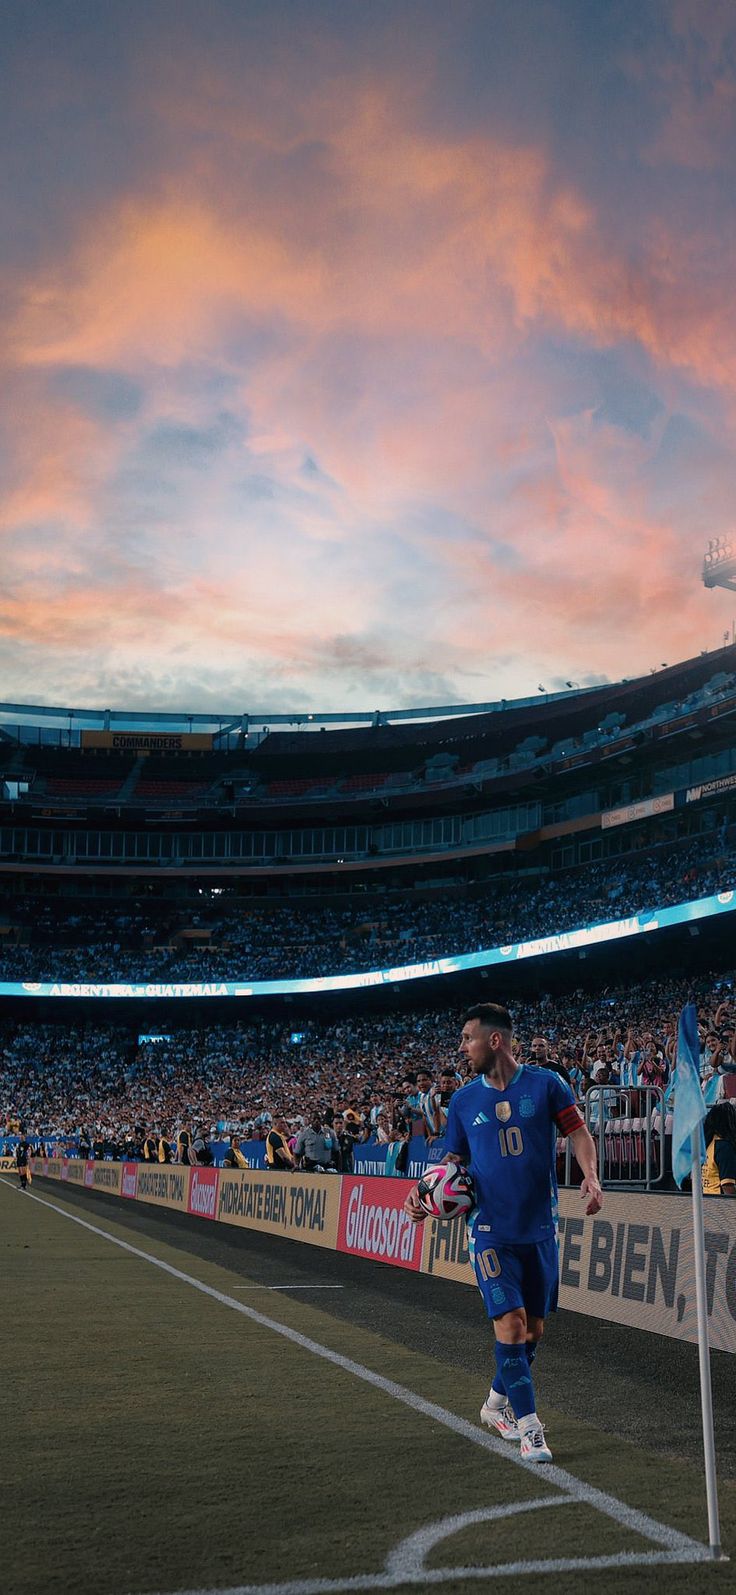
488,1264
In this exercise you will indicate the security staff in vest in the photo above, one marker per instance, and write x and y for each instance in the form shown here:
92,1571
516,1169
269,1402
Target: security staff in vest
233,1158
165,1150
150,1147
719,1168
278,1152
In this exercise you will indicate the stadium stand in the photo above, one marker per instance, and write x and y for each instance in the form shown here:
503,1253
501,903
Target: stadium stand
56,1080
326,851
47,940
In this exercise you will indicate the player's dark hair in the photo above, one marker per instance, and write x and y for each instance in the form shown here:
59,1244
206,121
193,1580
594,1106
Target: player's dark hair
720,1120
493,1014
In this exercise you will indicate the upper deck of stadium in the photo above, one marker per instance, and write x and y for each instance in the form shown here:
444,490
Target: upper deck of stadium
118,757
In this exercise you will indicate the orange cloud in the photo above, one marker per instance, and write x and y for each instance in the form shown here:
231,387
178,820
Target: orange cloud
374,319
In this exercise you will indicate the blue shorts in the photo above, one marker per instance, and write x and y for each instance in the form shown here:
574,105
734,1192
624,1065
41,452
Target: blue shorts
512,1276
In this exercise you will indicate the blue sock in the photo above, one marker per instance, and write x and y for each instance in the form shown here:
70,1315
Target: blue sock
498,1384
512,1367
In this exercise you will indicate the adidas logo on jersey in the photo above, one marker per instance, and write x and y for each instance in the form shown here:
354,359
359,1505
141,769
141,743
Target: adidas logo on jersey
481,1119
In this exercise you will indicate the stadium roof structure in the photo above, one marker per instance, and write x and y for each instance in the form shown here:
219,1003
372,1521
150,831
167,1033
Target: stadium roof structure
225,723
346,731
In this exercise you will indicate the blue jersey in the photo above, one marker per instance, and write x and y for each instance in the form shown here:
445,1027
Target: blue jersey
507,1140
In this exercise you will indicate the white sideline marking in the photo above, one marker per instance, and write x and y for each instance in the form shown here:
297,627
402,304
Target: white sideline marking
678,1546
288,1287
444,1575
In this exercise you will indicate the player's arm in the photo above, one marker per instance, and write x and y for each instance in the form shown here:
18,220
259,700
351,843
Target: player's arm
586,1156
569,1121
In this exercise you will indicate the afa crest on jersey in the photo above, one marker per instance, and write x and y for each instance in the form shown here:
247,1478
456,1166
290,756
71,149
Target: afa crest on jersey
527,1107
503,1111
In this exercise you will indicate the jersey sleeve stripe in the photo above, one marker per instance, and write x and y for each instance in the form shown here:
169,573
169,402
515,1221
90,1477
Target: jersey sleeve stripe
569,1119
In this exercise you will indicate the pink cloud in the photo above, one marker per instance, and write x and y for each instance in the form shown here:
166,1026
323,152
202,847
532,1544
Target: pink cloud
378,320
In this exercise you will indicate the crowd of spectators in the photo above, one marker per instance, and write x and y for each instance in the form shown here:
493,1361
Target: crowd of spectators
48,942
383,1072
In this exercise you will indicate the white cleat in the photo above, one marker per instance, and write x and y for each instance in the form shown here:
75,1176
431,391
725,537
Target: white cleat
534,1447
502,1420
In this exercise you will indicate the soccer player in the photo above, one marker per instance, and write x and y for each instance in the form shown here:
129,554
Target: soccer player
503,1126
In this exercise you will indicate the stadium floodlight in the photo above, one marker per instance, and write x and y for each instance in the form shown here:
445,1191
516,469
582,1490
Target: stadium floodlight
719,563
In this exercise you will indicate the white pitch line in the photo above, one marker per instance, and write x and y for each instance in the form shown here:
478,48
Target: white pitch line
408,1558
288,1287
447,1575
638,1522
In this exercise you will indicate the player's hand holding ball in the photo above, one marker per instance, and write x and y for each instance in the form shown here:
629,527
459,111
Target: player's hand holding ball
445,1190
413,1208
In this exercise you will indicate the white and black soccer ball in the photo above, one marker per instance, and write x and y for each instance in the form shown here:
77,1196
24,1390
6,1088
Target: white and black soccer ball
445,1190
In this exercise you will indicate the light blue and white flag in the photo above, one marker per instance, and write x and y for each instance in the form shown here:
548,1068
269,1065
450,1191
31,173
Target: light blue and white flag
689,1112
712,1090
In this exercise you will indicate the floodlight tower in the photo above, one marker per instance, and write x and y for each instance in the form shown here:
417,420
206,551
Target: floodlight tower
719,563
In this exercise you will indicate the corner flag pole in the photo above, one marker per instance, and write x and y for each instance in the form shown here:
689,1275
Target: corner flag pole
706,1396
688,1153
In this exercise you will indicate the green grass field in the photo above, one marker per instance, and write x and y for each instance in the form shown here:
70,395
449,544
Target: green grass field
156,1440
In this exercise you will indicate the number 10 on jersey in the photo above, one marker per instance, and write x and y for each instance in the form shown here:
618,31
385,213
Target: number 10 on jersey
511,1141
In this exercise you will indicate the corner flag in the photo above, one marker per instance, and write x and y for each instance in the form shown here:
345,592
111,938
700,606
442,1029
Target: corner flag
687,1121
688,1155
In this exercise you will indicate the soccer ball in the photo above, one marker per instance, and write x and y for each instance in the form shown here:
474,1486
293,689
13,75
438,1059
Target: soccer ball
446,1191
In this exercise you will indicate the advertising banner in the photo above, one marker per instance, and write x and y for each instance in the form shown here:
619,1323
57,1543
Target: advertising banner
722,783
303,1207
371,1158
372,1223
445,1250
633,1264
7,1164
129,1182
107,1177
638,811
165,1185
630,1264
203,1192
147,741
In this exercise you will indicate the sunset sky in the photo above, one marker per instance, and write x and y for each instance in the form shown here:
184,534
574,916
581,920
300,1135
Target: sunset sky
362,354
